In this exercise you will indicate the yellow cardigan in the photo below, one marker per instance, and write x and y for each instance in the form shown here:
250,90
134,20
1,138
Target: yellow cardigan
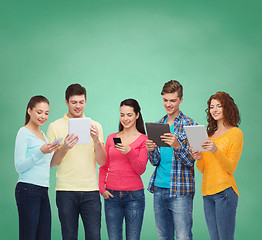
218,168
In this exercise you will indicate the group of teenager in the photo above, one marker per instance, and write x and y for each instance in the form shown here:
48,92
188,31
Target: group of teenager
121,167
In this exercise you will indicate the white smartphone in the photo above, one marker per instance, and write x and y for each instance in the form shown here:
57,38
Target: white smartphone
58,140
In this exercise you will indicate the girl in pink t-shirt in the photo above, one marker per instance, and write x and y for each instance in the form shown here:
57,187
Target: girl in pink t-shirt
119,179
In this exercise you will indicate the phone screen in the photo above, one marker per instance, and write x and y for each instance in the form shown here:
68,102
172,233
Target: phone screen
117,140
58,140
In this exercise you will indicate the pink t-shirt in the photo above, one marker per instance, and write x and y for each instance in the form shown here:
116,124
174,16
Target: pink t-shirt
122,171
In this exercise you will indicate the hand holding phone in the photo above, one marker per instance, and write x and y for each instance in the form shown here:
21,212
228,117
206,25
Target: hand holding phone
57,140
70,141
122,148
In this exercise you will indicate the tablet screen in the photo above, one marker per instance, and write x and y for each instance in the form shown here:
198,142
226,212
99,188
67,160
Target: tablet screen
155,130
81,128
196,135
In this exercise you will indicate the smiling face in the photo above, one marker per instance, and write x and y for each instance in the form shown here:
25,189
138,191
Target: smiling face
128,117
171,103
76,106
38,114
216,110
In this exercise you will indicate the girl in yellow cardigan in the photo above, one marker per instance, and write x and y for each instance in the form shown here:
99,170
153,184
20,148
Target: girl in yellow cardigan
218,164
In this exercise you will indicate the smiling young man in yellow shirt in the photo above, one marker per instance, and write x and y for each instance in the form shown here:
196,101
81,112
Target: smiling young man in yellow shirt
76,176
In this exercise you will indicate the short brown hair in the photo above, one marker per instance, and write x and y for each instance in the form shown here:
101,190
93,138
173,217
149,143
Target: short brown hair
74,89
171,87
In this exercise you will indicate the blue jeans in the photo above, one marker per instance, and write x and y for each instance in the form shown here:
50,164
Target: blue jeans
87,204
125,204
220,213
173,214
34,212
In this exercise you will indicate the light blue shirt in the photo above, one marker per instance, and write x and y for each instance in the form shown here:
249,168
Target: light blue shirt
32,165
163,173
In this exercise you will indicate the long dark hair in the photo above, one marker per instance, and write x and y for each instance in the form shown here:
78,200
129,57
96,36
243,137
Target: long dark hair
139,122
230,112
31,104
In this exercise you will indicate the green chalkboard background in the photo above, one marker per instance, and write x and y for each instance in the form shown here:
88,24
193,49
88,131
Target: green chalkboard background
122,49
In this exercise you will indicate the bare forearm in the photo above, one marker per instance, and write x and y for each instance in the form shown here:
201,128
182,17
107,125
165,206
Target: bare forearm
58,156
100,153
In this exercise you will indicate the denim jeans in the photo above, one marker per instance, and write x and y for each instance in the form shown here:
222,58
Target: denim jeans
34,212
173,214
87,204
125,204
220,213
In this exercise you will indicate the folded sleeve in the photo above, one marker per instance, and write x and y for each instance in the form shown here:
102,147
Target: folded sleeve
154,156
101,136
183,153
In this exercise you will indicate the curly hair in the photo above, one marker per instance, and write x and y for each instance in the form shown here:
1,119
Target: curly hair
230,112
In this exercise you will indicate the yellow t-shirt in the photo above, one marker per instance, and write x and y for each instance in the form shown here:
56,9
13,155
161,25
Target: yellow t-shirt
218,168
77,170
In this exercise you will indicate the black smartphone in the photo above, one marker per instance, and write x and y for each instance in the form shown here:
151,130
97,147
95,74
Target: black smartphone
117,140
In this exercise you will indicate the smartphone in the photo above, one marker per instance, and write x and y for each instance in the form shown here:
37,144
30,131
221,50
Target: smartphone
58,140
117,140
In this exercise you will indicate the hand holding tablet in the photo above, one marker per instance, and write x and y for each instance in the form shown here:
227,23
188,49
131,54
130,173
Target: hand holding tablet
81,128
70,141
155,130
196,135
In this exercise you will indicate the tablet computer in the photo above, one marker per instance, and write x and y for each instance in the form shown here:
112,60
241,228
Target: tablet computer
196,135
155,130
81,128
